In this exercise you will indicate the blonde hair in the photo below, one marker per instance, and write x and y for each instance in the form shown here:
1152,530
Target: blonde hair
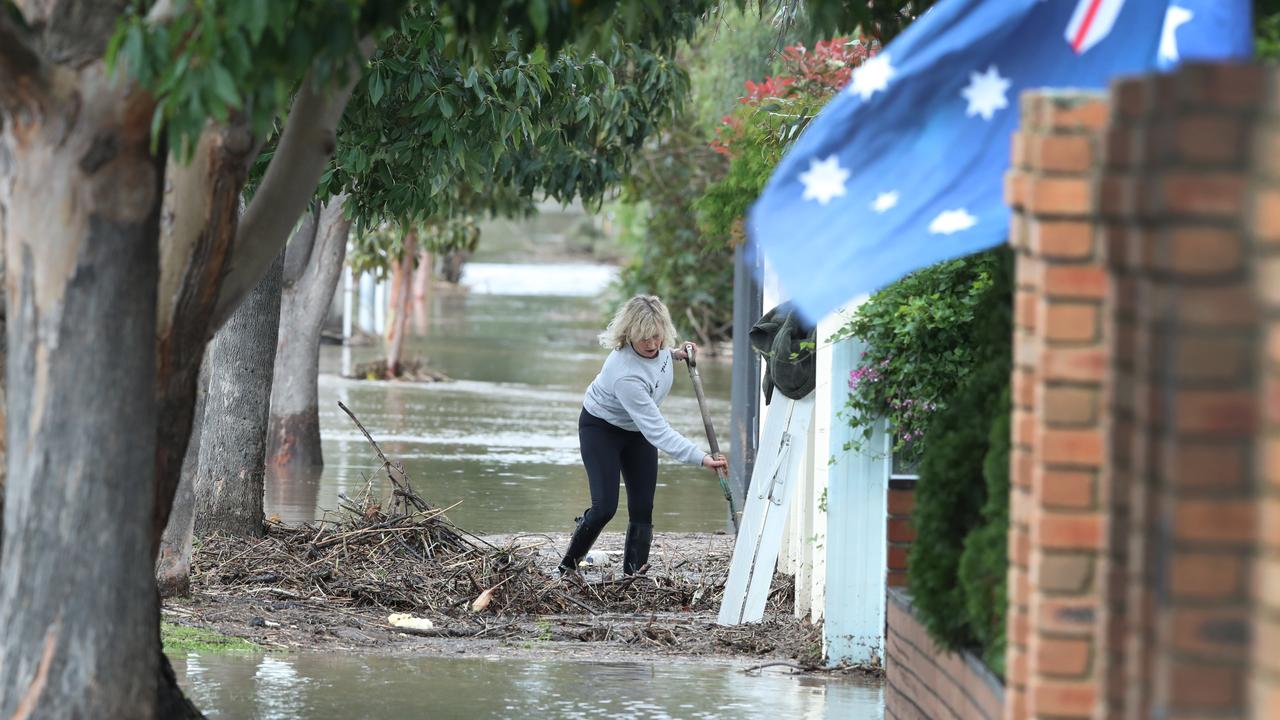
640,318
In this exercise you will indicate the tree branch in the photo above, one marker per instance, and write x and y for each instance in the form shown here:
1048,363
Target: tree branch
22,69
320,279
307,143
298,252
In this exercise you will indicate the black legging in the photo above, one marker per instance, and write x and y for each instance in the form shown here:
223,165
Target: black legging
606,450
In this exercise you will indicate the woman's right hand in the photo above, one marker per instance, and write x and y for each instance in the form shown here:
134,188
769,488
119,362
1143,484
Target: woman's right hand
714,462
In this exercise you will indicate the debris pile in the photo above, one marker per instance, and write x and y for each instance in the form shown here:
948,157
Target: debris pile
401,554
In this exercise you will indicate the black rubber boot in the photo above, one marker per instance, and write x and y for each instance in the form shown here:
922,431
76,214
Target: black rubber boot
636,554
583,538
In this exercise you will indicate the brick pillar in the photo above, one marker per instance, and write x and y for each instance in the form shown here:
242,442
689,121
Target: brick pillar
1127,416
1264,213
1059,374
899,530
1183,406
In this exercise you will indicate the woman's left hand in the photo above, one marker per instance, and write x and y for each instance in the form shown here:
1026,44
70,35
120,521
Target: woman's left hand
715,462
680,354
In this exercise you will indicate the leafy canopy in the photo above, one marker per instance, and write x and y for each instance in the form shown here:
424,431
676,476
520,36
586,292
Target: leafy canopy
211,58
427,135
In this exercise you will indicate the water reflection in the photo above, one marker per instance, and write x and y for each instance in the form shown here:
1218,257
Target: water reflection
502,439
310,685
292,493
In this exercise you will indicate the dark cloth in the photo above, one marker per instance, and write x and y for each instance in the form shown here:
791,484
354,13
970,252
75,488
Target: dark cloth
608,450
788,346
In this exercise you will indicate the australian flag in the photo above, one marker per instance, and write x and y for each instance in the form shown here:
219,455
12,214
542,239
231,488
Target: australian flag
905,166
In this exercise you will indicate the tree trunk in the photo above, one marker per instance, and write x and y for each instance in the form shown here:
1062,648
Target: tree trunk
173,567
81,201
453,262
423,278
293,439
229,480
402,293
3,432
107,326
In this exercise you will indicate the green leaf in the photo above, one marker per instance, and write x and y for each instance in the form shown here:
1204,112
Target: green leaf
223,86
257,21
538,17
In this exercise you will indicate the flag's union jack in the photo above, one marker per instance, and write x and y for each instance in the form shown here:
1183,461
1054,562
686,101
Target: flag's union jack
1091,22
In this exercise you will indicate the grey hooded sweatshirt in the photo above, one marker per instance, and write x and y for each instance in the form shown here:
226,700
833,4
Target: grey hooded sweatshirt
627,393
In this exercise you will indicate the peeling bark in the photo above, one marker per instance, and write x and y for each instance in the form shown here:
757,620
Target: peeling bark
173,566
80,225
229,481
231,255
293,436
202,205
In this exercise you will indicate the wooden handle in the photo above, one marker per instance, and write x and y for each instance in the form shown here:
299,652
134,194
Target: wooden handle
702,404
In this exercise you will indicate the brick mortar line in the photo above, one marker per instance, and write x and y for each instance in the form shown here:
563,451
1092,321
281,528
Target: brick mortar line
963,690
927,687
905,697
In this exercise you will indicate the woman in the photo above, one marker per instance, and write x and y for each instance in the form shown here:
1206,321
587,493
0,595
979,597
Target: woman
621,429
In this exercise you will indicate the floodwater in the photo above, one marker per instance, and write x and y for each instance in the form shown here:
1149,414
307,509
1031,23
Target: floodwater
320,687
501,442
501,439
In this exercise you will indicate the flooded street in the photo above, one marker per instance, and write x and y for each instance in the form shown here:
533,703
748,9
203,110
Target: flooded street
501,439
498,445
323,687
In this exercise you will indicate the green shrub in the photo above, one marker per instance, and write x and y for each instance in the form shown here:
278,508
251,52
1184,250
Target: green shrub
956,565
984,564
949,502
924,336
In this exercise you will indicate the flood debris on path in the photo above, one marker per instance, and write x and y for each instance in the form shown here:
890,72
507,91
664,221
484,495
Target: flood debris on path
337,581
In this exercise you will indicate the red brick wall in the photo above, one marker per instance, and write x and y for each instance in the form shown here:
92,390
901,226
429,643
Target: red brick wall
1144,541
1183,404
1263,212
1056,528
921,681
899,530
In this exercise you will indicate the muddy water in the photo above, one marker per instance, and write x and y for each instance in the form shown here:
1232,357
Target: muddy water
501,439
319,687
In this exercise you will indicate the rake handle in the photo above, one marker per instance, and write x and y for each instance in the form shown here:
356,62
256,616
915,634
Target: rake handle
721,474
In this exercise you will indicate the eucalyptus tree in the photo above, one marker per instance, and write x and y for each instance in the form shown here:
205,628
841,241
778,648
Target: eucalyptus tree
122,261
429,140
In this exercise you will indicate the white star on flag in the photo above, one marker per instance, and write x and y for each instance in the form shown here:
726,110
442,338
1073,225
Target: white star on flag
871,76
952,221
986,93
1174,19
885,202
824,179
